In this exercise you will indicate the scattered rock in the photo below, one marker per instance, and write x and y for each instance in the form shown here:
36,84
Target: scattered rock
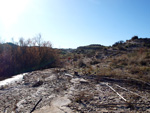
63,93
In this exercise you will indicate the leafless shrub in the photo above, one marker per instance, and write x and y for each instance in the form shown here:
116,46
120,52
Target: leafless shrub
94,62
81,64
83,96
29,55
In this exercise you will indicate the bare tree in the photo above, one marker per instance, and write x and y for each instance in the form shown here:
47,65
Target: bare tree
29,42
21,41
46,44
39,39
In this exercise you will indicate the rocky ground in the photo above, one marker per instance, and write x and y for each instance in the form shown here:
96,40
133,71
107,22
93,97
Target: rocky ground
53,91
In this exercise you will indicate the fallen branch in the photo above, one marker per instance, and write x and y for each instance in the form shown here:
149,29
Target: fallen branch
36,105
140,81
68,75
128,90
5,110
115,91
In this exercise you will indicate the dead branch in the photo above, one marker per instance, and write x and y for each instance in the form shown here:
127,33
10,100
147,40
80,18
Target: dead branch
115,92
36,105
128,90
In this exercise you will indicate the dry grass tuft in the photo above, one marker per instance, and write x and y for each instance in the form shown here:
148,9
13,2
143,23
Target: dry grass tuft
84,96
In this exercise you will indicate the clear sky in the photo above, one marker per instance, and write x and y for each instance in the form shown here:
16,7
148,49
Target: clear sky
73,23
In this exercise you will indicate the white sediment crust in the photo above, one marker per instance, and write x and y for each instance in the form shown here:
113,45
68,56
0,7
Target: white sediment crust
12,80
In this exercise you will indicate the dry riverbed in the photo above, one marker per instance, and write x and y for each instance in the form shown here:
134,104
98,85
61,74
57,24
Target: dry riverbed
49,91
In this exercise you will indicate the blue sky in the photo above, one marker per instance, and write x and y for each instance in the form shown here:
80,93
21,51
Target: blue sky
73,23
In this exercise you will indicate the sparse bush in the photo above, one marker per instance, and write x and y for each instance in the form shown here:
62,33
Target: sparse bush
81,64
119,43
93,62
121,48
140,70
131,106
90,53
134,38
89,70
135,64
83,96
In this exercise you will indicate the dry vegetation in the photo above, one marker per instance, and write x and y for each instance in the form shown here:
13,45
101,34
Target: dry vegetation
130,65
119,61
134,65
105,78
27,55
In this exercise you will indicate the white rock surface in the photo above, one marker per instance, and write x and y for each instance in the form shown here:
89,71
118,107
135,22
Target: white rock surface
12,80
57,105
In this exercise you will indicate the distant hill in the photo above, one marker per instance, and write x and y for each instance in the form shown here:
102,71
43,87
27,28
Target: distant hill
133,43
118,48
7,45
92,46
11,44
140,42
